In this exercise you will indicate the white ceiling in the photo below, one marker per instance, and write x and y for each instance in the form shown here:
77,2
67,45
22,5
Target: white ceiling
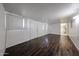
50,12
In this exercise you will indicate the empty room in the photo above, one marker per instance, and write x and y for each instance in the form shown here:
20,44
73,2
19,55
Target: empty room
39,29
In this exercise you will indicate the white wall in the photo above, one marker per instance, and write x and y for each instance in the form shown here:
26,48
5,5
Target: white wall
54,28
21,29
2,30
74,32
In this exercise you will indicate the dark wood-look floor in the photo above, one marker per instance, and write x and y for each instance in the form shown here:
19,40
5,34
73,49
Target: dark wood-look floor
47,45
